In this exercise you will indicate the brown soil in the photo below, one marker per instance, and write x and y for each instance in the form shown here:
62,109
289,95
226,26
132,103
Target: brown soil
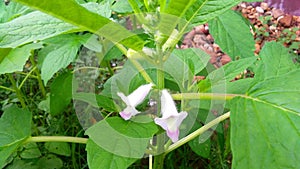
269,24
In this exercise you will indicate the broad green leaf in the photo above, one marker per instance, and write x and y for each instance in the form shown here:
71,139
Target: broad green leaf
178,7
38,26
204,10
49,162
113,53
196,58
4,52
18,163
201,149
60,52
11,11
222,76
61,93
59,148
15,127
31,150
16,58
123,6
86,20
265,125
100,158
276,61
233,35
99,101
123,138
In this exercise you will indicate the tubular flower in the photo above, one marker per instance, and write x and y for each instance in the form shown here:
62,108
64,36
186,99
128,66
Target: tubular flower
134,99
171,119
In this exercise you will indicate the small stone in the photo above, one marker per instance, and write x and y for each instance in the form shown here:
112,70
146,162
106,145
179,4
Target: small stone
199,38
225,59
208,47
264,6
244,11
268,13
277,13
286,21
297,19
210,38
272,28
259,9
200,29
243,5
249,7
257,48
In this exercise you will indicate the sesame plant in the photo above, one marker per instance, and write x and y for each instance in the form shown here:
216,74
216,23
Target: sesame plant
134,91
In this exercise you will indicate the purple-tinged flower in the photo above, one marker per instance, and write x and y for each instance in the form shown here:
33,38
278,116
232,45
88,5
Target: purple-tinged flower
171,119
134,99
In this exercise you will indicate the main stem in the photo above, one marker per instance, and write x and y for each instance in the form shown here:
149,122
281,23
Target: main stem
159,159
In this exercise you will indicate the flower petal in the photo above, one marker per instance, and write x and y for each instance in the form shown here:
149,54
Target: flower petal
168,107
134,99
137,96
124,98
128,112
171,124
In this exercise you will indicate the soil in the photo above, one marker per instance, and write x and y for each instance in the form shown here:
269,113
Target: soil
268,24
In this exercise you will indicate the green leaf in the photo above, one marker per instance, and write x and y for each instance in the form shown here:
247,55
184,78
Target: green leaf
11,11
196,58
86,20
182,65
123,138
178,7
233,35
50,162
38,26
219,78
15,127
276,61
265,124
202,149
31,151
99,101
60,52
123,6
18,163
16,58
61,93
100,158
59,148
204,10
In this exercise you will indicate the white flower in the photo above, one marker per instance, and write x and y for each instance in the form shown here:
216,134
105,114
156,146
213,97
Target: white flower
134,99
171,119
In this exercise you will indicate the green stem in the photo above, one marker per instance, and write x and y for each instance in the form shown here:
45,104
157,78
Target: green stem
146,3
197,132
205,96
111,71
57,139
162,4
41,85
159,159
17,90
6,88
26,77
143,72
